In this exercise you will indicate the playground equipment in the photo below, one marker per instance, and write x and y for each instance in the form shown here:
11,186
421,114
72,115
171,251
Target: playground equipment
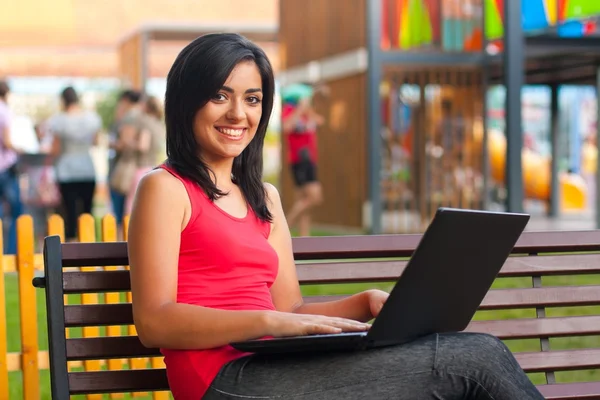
457,25
536,175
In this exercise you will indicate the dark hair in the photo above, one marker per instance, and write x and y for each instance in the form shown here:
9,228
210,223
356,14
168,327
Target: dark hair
153,107
197,74
133,96
4,89
69,96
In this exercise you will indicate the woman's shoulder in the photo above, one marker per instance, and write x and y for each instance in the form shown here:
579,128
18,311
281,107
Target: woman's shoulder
161,180
272,193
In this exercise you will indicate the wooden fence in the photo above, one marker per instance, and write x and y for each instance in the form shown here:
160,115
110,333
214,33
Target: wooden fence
30,360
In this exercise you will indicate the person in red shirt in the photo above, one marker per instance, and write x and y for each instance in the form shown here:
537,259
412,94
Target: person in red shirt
211,263
300,122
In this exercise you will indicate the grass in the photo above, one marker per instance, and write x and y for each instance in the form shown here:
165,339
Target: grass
515,345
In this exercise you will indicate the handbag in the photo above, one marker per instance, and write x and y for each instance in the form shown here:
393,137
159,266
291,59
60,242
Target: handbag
124,173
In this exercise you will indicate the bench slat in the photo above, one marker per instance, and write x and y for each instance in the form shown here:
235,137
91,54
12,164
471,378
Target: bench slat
156,379
571,391
339,272
535,328
138,380
96,282
98,315
100,348
501,299
342,247
121,314
130,347
564,360
541,297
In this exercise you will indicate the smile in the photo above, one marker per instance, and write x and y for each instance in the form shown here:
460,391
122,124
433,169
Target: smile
234,133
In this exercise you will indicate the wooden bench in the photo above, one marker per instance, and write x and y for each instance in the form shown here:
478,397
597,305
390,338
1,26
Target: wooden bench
335,260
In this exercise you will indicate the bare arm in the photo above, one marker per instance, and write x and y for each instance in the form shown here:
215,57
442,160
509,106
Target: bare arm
7,141
126,138
160,211
144,140
286,289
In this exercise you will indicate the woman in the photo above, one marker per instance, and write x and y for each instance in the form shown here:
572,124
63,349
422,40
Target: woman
74,132
147,144
212,263
299,125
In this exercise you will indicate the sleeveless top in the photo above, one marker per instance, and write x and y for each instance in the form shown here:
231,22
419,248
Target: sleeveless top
226,263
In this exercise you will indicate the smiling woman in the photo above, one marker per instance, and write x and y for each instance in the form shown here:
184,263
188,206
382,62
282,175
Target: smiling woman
212,263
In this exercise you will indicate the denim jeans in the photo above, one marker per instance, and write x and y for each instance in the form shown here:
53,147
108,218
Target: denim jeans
117,200
442,367
11,194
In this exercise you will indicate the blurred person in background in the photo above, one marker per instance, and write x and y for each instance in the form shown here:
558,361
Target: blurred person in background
9,183
147,144
127,118
74,131
300,122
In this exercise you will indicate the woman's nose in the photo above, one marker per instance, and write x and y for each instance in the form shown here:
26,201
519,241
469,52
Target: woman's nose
236,111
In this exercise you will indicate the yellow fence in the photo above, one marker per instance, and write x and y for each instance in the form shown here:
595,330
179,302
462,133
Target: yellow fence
30,360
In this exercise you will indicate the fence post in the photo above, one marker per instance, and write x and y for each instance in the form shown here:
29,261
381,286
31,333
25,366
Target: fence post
87,233
109,234
3,324
27,308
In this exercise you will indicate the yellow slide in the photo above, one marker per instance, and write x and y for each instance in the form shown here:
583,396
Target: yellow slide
536,175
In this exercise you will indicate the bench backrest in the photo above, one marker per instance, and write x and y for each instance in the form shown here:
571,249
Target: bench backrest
320,260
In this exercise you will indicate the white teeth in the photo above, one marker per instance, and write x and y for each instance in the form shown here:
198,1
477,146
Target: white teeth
231,132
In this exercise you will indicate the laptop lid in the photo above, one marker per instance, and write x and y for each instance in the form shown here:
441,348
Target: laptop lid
448,275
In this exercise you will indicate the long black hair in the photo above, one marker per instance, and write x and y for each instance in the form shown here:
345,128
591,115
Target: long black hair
197,74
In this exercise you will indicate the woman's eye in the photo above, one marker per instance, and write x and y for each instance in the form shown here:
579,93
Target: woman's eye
253,100
219,97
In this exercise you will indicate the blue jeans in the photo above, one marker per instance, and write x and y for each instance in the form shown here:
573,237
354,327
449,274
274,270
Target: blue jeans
118,205
11,194
466,366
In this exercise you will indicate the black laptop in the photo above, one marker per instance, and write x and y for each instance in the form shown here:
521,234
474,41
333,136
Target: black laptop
443,284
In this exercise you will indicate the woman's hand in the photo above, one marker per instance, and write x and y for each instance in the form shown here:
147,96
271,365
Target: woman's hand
376,298
290,324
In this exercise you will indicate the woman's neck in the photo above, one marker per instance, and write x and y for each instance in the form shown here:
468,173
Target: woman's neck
72,108
222,173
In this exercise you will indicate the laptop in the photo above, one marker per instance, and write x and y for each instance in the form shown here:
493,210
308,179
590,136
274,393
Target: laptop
441,288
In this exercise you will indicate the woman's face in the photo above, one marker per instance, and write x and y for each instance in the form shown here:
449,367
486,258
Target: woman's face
228,122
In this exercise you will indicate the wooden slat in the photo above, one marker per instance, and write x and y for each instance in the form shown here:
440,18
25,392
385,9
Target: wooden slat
14,363
130,346
307,248
27,308
96,281
566,360
94,254
109,234
10,262
541,297
403,245
497,299
118,381
349,271
87,233
107,348
535,328
571,391
98,315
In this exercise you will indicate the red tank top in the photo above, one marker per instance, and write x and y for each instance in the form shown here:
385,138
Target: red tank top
226,263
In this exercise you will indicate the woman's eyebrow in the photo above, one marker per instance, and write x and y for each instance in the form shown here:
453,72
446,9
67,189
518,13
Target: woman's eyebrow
251,90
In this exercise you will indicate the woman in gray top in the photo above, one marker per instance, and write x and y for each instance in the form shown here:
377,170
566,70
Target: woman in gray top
75,131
